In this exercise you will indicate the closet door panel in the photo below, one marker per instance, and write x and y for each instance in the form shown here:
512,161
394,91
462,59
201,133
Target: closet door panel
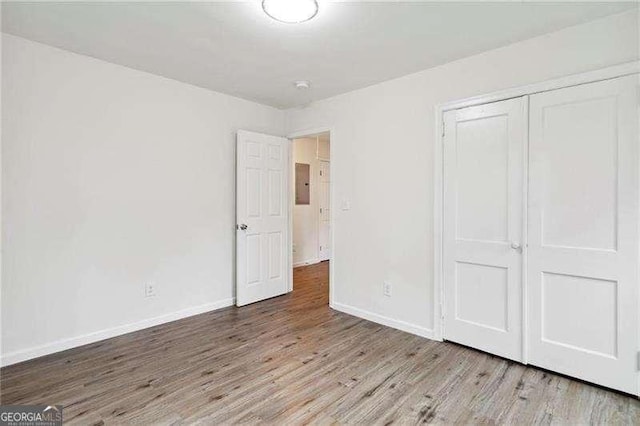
583,232
483,175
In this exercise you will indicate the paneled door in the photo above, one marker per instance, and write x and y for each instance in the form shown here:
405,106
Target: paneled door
324,197
262,225
583,232
484,158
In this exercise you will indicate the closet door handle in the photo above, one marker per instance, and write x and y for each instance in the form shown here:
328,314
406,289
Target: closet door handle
515,246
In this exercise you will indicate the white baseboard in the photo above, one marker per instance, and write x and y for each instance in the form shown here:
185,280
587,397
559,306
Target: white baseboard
64,344
389,322
306,262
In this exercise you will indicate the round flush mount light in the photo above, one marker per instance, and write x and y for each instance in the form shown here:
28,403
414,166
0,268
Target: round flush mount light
290,11
302,84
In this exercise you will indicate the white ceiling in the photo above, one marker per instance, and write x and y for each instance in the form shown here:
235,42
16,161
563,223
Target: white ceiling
234,48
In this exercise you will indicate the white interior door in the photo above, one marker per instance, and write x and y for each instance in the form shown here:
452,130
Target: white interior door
262,243
324,229
484,148
583,232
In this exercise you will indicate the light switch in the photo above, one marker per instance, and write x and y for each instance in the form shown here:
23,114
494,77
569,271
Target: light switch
346,205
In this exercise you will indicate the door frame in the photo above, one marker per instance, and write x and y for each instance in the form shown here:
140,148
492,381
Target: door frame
297,135
438,166
323,160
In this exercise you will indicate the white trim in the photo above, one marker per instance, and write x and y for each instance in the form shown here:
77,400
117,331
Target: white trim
96,336
292,178
558,83
389,322
332,198
310,132
438,203
545,86
306,262
638,292
524,286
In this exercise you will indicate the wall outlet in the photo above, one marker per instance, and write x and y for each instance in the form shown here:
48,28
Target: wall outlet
294,248
386,288
149,290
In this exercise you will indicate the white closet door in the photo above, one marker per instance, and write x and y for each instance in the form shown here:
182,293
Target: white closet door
484,150
583,232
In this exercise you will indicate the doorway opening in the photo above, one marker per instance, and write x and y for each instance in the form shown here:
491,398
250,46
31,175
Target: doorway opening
311,239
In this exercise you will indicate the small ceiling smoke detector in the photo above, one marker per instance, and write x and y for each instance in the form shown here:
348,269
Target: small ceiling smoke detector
290,11
302,84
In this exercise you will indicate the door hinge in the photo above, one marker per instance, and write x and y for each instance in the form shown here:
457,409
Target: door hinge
442,128
320,210
320,172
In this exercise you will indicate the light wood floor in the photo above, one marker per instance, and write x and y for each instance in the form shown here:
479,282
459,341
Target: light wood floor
293,360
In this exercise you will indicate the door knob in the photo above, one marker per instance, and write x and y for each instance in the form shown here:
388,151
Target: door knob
515,245
242,227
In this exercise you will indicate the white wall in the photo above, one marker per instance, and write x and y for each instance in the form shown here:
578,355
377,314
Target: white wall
305,217
112,178
382,157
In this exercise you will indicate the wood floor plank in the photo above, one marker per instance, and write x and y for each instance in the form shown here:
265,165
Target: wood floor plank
293,360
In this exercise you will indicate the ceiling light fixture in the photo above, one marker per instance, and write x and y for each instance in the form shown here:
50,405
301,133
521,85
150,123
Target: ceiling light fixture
302,84
290,11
